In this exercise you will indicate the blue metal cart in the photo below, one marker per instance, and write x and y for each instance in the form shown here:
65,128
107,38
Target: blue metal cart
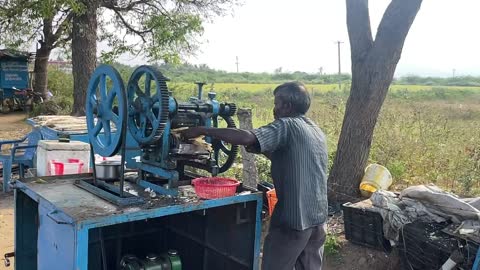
60,226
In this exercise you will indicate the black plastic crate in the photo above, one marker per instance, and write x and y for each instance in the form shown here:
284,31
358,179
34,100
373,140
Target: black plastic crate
364,226
425,246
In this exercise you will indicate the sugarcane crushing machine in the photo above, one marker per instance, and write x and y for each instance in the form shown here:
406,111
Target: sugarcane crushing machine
150,219
150,113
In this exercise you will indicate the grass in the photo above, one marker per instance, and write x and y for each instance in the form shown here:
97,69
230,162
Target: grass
422,136
331,246
316,88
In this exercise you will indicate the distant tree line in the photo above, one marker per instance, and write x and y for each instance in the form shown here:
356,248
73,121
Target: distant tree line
190,72
450,81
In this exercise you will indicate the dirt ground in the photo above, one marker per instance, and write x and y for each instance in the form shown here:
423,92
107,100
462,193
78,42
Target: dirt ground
349,257
354,257
12,126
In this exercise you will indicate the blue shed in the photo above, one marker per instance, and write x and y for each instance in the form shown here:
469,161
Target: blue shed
13,69
13,75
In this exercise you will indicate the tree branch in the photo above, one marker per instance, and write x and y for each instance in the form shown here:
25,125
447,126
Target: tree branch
64,13
394,27
63,26
111,5
63,41
36,32
359,31
140,33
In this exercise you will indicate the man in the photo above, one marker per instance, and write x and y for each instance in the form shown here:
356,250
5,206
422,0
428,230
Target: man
298,151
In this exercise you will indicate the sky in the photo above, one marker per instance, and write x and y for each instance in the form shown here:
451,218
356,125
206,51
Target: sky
300,35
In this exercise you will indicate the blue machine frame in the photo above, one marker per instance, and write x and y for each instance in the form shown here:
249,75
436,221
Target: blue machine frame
60,239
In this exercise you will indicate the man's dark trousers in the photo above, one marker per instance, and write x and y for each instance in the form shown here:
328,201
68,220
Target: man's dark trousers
288,249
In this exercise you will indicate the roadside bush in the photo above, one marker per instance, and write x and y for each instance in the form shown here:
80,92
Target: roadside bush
55,106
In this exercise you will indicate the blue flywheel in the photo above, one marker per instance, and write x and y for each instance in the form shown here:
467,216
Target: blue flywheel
106,110
148,102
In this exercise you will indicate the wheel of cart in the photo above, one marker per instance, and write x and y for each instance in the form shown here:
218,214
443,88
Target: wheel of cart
32,99
26,99
13,100
8,104
19,98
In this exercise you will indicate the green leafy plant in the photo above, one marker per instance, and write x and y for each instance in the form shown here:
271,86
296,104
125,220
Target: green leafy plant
332,246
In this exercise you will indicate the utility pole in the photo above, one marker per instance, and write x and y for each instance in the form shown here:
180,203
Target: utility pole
339,65
339,62
237,64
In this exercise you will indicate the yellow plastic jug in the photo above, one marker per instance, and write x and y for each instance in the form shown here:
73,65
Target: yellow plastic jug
376,178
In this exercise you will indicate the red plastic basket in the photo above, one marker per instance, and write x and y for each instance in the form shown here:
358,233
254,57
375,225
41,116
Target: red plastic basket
215,187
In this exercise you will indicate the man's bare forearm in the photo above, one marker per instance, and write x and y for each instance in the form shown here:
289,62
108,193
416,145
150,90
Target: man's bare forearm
230,135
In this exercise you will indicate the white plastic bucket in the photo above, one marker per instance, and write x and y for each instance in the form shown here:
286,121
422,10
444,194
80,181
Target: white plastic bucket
376,178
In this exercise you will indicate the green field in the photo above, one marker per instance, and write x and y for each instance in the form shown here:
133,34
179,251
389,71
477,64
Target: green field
317,88
425,134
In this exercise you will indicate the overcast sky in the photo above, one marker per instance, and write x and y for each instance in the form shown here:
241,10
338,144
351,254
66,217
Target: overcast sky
301,34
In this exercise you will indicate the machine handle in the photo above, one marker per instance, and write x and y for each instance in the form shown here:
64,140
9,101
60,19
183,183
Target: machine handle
6,257
57,220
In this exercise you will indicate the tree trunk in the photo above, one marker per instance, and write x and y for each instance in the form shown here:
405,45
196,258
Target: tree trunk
250,175
373,67
41,58
353,149
84,54
40,69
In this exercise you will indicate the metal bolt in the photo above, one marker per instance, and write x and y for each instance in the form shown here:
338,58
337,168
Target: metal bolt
151,257
212,95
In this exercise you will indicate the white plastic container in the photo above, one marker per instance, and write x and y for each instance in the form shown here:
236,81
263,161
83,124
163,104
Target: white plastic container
61,152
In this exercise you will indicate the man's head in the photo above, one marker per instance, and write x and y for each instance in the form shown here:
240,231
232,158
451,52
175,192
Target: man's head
291,99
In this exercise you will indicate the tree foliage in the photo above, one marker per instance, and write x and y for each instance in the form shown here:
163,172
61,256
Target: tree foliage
187,72
159,29
45,21
48,22
456,81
